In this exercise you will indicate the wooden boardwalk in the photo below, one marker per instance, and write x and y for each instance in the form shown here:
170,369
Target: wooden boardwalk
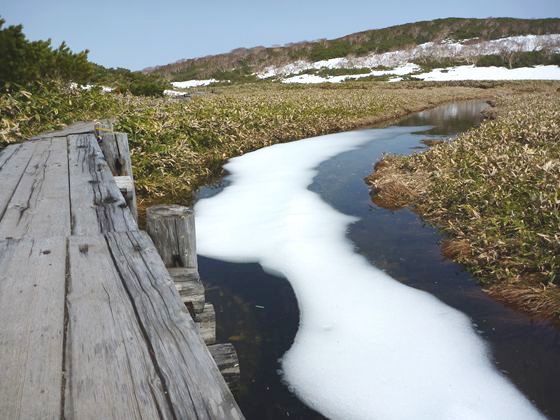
92,326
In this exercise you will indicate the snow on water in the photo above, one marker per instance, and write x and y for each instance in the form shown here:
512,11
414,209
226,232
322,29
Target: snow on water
193,83
492,73
445,48
367,345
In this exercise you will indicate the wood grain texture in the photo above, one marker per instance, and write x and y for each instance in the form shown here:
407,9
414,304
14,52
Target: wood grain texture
40,205
227,361
206,323
32,290
190,288
172,228
13,162
97,205
75,128
196,388
126,187
117,154
110,373
103,126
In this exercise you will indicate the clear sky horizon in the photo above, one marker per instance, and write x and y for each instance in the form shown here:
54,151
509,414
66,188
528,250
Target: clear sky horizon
145,33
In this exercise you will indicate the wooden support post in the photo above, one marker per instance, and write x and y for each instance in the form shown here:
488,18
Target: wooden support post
173,232
117,154
126,187
227,361
103,126
189,287
206,321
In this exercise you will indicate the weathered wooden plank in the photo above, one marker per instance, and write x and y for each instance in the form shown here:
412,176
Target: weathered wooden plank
75,128
110,373
40,205
206,323
227,361
190,288
97,204
79,127
195,386
32,289
13,161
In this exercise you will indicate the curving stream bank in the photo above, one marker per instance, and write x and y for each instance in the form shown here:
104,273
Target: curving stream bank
367,345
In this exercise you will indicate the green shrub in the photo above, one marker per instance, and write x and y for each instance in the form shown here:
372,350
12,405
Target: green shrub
24,63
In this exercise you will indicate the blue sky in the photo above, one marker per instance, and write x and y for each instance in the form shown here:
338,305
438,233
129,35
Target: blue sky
142,33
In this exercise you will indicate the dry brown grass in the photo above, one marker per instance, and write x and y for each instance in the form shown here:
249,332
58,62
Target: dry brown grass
533,297
456,249
432,142
391,188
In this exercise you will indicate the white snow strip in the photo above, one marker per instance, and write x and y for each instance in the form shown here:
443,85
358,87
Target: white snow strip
193,83
306,79
367,346
104,89
313,78
492,73
446,48
175,93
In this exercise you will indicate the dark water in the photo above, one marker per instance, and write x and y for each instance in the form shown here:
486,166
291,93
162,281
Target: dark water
258,312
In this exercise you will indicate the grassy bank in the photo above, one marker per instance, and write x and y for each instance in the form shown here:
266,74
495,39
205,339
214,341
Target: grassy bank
495,191
178,144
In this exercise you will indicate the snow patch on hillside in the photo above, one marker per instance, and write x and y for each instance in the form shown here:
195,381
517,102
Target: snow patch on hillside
193,83
104,89
175,93
408,68
464,49
491,73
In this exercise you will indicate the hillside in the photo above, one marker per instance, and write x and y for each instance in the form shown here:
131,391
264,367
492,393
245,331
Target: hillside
243,63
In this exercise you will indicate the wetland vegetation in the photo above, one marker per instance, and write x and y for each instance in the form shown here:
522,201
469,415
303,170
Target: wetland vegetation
495,190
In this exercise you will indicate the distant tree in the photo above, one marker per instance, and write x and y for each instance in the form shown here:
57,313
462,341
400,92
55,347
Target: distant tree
509,53
24,62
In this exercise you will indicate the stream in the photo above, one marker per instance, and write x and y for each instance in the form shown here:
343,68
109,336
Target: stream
328,323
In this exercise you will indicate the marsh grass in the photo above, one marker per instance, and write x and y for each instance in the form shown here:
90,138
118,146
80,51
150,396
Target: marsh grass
177,145
496,191
431,142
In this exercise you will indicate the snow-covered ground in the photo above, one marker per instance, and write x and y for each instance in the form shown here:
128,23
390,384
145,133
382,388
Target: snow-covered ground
492,73
313,78
368,347
105,89
446,48
444,74
193,83
175,93
400,63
